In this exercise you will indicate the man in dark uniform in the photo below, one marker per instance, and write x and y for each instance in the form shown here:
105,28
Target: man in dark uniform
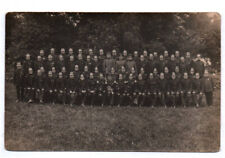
125,54
70,63
114,54
111,81
197,90
61,88
86,72
119,63
142,63
29,85
208,87
177,72
166,57
192,73
141,90
182,65
161,64
89,63
155,73
199,65
63,53
18,81
27,64
134,73
100,90
64,72
145,54
82,90
39,63
177,56
186,89
119,89
130,63
167,74
52,53
80,62
39,86
72,89
172,63
95,63
151,63
188,61
155,55
174,85
132,92
91,89
61,62
162,89
136,57
42,54
108,64
54,73
143,73
50,88
101,58
124,90
71,53
91,54
151,90
50,63
123,71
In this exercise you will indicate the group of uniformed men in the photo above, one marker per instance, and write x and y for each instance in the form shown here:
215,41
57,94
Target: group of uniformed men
116,79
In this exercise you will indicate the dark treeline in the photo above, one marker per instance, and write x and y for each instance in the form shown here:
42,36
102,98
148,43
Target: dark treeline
193,32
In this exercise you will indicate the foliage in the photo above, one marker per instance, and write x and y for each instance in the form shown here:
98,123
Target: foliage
194,32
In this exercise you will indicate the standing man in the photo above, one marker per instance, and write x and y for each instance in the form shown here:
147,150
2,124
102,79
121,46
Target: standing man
18,80
208,87
39,86
108,64
197,90
199,65
186,89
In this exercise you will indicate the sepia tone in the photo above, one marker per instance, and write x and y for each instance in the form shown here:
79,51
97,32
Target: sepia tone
112,82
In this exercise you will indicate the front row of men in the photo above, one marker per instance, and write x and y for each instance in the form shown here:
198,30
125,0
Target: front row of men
78,89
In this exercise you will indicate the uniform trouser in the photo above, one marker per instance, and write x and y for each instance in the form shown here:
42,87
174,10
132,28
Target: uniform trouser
141,99
116,100
20,92
197,98
30,93
39,95
168,99
186,98
161,97
90,98
107,99
125,99
82,98
174,98
61,97
72,97
209,98
51,96
98,99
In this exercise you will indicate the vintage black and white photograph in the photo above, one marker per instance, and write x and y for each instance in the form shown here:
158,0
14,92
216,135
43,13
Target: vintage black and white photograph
112,81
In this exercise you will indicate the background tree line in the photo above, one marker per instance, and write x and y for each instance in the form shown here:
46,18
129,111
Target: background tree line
194,32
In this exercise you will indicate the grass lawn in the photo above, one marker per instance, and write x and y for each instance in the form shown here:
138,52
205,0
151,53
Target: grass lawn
58,127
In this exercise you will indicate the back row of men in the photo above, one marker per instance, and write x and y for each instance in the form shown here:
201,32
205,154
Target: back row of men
148,80
91,61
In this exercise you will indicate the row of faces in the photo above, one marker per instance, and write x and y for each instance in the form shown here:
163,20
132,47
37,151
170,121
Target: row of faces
120,76
121,57
122,69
